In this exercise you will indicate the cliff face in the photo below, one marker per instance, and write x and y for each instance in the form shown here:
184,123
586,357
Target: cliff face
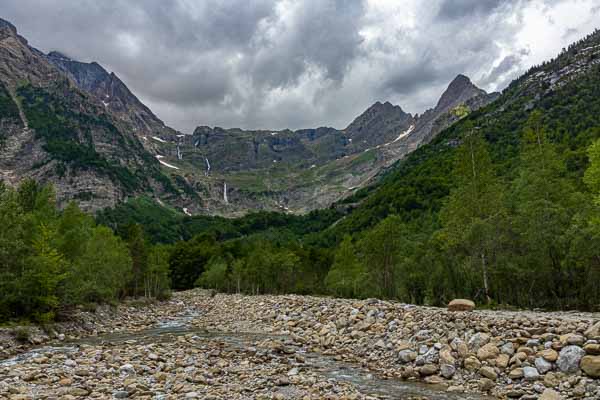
55,132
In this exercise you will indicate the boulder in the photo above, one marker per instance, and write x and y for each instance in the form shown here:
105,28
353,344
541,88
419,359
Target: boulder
487,352
530,374
488,372
461,305
447,371
593,331
591,366
569,358
542,365
550,394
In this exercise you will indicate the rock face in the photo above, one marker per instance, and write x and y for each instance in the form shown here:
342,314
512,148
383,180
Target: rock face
62,134
461,305
114,95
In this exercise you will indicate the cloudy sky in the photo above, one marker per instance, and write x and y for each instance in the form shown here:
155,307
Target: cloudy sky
300,63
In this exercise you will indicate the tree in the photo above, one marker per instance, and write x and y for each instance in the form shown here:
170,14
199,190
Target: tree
156,278
215,276
473,213
381,251
347,275
102,270
136,242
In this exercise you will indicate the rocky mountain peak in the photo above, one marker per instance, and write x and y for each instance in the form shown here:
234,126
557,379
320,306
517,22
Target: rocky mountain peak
459,90
5,25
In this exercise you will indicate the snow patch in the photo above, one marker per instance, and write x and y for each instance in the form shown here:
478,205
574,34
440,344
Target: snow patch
186,212
405,133
158,157
159,139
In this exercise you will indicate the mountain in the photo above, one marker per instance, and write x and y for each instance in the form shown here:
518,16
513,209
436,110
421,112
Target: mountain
564,89
56,132
240,170
113,93
77,125
379,124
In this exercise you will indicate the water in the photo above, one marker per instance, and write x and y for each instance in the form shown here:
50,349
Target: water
323,365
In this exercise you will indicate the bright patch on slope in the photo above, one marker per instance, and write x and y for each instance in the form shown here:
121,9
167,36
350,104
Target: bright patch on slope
164,163
159,139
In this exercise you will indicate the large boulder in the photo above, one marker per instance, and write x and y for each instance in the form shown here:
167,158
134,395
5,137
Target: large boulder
569,358
461,305
591,366
594,331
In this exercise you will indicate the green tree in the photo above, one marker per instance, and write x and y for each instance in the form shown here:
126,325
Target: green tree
156,279
138,250
215,276
347,275
472,216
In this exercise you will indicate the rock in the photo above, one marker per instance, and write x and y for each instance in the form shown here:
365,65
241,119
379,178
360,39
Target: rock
549,355
551,379
576,340
428,369
293,372
446,356
516,373
127,369
407,356
530,374
550,394
485,384
569,358
502,361
488,372
542,365
120,394
472,363
78,392
487,352
592,348
591,366
593,332
461,305
447,370
508,349
479,339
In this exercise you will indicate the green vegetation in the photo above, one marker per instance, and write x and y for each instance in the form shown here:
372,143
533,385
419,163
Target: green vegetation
67,133
52,261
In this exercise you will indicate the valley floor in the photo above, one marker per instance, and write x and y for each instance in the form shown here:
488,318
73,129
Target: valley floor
200,345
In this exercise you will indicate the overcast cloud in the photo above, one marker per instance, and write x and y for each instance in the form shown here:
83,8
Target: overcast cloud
300,63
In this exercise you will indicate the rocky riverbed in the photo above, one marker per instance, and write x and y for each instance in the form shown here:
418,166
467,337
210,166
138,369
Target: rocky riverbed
197,345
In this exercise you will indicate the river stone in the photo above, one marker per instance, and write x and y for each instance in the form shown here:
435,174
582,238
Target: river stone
592,348
530,374
487,352
472,363
569,358
593,331
550,394
407,356
447,370
120,394
479,339
542,365
591,366
508,349
461,305
428,369
576,340
549,355
488,372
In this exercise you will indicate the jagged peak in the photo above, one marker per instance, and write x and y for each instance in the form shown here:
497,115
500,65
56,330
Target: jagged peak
4,24
57,54
459,85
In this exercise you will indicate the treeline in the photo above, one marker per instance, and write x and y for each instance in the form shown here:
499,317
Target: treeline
52,261
530,238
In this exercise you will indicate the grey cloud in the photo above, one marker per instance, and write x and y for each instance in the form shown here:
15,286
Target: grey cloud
280,63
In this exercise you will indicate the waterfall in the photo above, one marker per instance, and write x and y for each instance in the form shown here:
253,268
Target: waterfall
207,172
179,154
225,193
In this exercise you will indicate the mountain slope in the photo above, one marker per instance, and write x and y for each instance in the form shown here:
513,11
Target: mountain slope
567,91
66,136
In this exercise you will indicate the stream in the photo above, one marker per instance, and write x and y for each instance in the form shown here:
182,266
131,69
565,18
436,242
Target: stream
324,365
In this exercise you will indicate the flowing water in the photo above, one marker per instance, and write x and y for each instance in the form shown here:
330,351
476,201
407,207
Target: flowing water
324,365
